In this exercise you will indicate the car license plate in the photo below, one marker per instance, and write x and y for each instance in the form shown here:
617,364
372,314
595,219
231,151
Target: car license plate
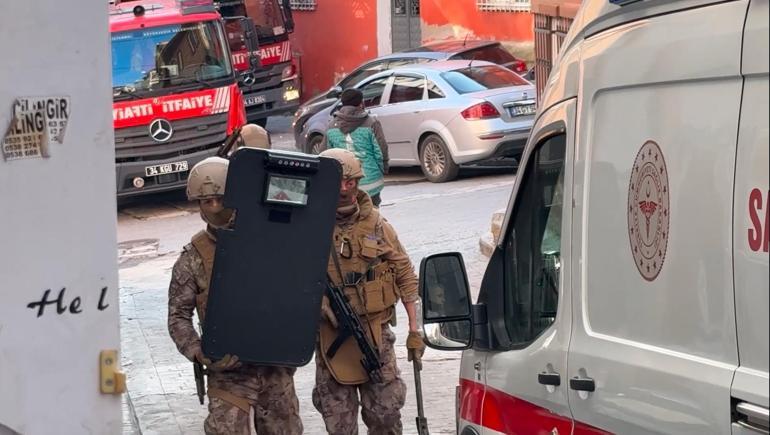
522,110
252,101
166,168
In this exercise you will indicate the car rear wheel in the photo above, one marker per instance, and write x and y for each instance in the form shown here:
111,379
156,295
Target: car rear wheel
436,161
315,144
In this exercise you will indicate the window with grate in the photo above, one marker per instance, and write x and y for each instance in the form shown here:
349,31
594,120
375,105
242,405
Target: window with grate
504,5
303,5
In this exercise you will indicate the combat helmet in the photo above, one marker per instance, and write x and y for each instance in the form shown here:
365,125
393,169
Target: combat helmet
351,166
254,136
207,179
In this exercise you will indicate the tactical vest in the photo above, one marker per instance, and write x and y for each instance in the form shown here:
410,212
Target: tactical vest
370,283
206,248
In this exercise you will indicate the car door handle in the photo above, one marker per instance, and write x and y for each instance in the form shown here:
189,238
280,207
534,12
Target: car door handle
552,379
582,384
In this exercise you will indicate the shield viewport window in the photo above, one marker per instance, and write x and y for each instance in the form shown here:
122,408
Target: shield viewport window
286,191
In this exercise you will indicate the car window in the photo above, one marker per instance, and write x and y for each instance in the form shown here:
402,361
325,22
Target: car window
395,63
533,245
362,73
494,53
434,92
480,78
373,91
407,88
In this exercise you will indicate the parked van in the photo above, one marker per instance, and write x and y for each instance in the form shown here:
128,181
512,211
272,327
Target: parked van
628,291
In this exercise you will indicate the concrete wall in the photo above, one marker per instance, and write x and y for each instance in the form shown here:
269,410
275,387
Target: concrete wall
443,19
58,256
334,39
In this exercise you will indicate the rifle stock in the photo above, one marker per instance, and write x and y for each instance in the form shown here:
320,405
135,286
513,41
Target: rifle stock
224,150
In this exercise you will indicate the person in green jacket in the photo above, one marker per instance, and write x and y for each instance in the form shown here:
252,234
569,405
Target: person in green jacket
354,129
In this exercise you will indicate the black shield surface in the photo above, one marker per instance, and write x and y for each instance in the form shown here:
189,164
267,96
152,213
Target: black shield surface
270,270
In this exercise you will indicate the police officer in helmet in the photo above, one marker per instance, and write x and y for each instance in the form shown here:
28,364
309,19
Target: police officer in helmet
374,271
234,388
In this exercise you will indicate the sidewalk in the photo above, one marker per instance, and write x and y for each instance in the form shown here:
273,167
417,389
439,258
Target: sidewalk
161,387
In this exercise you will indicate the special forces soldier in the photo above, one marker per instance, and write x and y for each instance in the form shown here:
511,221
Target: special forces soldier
253,136
234,388
376,270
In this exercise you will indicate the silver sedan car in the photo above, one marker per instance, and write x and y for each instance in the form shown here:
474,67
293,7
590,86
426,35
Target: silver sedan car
442,115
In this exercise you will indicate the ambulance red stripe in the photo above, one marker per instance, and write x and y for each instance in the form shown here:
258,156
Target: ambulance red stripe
501,412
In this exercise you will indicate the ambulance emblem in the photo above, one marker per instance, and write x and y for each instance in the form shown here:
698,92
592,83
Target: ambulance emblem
648,211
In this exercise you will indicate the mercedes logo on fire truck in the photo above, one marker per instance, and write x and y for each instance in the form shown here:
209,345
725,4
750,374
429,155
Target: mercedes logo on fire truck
249,79
648,211
161,130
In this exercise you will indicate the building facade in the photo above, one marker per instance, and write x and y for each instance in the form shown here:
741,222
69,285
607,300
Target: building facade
332,37
553,19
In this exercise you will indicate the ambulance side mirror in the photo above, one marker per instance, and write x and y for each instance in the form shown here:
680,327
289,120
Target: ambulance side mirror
446,302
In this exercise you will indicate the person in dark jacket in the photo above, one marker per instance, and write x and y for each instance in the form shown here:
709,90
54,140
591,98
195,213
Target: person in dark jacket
354,129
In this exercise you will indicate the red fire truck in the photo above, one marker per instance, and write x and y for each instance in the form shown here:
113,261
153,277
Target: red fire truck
175,90
272,88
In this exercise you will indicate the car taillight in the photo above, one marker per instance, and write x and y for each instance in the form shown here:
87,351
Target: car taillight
520,66
483,110
289,72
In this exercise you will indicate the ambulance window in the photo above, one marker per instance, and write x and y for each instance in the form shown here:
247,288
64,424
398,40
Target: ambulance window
533,246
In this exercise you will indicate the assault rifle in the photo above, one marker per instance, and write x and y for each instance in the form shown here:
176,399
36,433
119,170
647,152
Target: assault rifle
200,381
350,325
227,146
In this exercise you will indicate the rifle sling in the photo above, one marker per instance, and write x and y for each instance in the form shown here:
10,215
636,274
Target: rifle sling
343,335
239,402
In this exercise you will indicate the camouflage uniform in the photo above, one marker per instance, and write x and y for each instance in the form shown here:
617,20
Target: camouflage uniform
381,403
268,390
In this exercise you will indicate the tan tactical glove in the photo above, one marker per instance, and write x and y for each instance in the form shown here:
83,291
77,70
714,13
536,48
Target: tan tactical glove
229,362
328,313
415,348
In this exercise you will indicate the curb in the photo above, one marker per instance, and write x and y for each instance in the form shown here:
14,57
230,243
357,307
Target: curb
130,420
488,242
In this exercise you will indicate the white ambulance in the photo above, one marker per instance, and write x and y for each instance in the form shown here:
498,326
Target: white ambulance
628,292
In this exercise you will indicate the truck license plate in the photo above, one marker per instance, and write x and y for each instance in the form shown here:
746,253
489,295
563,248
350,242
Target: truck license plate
258,99
522,110
166,168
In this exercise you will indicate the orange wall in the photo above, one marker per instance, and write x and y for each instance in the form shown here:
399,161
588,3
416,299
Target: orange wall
332,40
460,16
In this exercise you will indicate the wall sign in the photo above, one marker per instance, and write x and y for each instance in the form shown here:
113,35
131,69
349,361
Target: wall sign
36,122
